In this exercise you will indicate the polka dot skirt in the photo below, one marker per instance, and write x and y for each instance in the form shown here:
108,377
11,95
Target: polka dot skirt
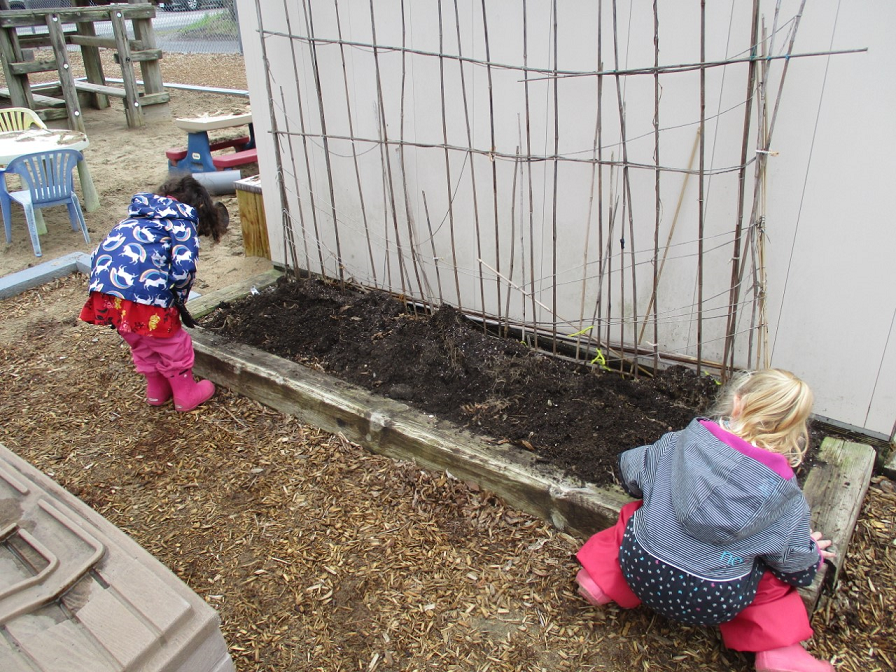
679,595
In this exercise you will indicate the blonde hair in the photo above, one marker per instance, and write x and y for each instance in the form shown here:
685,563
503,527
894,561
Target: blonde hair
772,408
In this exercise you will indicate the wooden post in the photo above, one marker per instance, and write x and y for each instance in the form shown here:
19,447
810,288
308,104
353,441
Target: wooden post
835,489
133,111
151,71
252,218
154,97
19,90
66,80
93,66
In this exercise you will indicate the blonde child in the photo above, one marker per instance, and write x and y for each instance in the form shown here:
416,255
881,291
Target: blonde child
141,277
720,534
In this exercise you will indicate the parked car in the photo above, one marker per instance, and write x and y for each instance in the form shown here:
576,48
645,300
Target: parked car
191,5
38,4
53,4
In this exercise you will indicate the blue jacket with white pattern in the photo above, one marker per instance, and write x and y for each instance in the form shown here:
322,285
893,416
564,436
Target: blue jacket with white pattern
150,257
714,512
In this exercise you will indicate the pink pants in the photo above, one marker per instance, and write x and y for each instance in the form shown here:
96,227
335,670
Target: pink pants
777,616
168,356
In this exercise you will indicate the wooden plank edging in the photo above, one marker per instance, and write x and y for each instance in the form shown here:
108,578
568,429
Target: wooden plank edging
396,430
206,303
835,489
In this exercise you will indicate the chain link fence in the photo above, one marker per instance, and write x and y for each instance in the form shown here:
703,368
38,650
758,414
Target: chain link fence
198,26
182,26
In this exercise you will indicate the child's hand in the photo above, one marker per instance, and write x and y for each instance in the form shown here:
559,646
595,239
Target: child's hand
823,545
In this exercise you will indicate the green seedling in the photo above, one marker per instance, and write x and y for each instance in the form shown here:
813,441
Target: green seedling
599,359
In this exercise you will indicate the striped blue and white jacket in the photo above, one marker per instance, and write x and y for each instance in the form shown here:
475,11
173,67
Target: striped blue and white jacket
150,257
713,507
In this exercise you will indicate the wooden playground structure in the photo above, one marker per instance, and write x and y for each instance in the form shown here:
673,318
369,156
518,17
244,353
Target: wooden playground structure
22,31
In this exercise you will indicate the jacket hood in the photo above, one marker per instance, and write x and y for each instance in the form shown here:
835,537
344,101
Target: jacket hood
152,206
721,495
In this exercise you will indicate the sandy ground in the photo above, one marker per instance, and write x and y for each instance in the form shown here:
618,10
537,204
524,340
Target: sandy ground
125,161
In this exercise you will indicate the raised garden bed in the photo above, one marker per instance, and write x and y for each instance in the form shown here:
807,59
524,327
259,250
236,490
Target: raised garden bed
835,485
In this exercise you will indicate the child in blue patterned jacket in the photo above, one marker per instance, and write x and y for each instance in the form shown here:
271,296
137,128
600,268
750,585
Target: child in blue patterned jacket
720,533
140,278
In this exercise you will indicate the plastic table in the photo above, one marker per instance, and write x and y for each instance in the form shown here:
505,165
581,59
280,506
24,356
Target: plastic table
18,143
199,153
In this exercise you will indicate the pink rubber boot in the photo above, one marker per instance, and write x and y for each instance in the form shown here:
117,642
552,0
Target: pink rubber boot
188,394
158,391
589,589
793,658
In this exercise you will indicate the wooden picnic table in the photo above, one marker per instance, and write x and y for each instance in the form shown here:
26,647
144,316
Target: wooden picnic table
199,148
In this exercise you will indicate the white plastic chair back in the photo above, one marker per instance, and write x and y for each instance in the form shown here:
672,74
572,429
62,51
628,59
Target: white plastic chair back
19,119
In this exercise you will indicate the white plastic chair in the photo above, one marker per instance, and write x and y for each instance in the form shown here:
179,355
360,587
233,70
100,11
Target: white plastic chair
47,178
19,119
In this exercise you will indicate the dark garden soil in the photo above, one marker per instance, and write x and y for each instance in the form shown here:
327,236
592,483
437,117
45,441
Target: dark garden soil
573,416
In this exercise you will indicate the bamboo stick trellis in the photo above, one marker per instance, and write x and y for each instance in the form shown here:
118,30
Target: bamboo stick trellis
410,146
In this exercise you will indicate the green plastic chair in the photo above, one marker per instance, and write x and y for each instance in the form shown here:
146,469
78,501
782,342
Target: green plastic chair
19,119
47,178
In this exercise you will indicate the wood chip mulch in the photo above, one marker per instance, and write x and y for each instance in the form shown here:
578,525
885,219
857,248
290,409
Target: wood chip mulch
321,556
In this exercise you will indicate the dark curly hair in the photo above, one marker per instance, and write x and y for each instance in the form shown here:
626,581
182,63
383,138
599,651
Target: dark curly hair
213,218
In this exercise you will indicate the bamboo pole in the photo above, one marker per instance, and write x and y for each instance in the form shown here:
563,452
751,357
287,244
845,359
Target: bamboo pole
448,161
512,238
511,156
387,163
409,214
681,195
734,294
435,258
532,274
386,188
278,161
289,242
556,164
522,235
701,198
594,335
463,86
309,27
796,26
611,225
627,206
351,131
311,189
656,226
762,352
754,213
595,170
491,117
763,307
622,283
600,172
548,73
288,234
757,220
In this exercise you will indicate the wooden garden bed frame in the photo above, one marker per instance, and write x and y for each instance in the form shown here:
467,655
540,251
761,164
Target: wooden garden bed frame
835,487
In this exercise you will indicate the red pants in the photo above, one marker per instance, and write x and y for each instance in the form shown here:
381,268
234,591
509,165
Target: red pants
776,618
168,356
